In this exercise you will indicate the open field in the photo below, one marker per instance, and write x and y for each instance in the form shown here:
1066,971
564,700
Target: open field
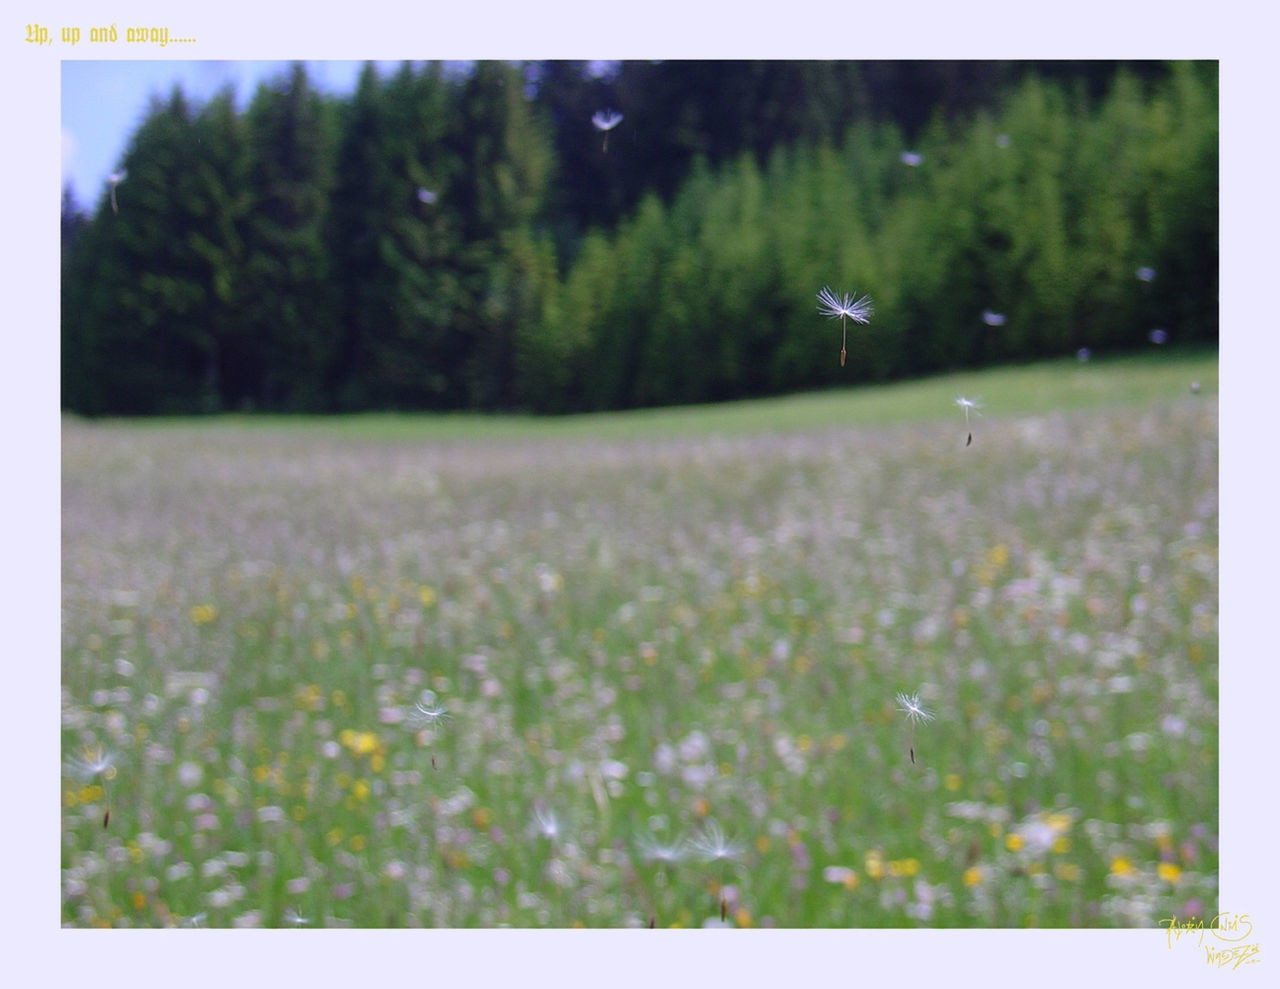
643,668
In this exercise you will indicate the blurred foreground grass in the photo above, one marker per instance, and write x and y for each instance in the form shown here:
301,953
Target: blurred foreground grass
667,645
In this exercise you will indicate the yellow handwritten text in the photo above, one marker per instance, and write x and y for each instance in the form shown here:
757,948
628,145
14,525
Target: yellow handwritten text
1235,956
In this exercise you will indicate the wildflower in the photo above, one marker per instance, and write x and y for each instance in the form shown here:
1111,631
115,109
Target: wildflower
113,180
606,120
1083,355
993,318
912,158
1146,273
1158,336
425,195
969,405
1002,140
846,307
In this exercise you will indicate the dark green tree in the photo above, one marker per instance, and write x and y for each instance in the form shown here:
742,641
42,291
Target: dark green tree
288,297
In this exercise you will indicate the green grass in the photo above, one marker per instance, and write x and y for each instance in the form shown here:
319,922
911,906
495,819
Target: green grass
1051,386
644,625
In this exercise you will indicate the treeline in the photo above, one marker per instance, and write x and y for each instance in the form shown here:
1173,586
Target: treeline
463,240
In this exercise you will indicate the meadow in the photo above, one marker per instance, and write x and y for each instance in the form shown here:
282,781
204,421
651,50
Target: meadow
654,668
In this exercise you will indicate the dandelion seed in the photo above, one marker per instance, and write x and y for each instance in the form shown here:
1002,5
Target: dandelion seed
295,918
845,307
713,846
113,180
546,822
652,850
428,718
969,405
606,120
95,762
910,706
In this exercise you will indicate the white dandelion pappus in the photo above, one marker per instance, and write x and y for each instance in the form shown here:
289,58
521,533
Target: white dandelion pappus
713,846
428,716
653,850
546,823
910,706
606,120
968,404
843,307
113,180
95,762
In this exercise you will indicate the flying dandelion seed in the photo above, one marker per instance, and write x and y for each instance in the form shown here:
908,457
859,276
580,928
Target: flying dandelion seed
652,850
969,405
605,121
428,716
546,823
95,763
845,307
113,180
910,706
713,846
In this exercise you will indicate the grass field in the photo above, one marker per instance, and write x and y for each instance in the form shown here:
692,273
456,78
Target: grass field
644,668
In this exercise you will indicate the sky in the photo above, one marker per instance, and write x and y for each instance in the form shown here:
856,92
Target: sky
79,104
